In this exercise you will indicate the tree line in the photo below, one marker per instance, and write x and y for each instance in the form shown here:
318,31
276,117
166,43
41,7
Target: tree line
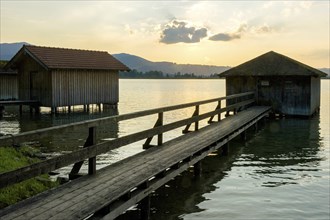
154,74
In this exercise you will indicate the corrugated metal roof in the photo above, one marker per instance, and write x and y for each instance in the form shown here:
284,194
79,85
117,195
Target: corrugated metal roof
62,58
272,64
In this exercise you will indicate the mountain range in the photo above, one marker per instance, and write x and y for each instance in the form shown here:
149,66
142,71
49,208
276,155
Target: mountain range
143,65
8,50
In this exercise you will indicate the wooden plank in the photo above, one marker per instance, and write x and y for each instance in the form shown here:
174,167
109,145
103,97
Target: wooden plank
19,102
92,151
104,187
26,136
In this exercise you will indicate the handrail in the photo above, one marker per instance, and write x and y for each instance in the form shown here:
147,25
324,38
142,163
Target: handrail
29,135
94,149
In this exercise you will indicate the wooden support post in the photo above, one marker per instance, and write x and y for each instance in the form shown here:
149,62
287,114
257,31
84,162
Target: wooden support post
196,113
20,109
198,169
158,123
37,109
243,135
145,208
69,109
2,109
256,126
219,107
225,149
88,108
219,115
85,108
91,140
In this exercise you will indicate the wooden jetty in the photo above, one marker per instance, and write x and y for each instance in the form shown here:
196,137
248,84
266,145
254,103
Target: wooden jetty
33,104
110,191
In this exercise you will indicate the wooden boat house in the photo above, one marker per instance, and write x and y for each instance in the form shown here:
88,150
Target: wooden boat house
66,77
290,87
8,85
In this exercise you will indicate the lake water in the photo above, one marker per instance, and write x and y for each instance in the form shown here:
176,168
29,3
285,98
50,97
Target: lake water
281,172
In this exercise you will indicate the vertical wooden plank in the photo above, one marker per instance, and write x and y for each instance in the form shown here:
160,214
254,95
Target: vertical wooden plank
145,208
219,115
243,135
196,114
91,140
160,123
92,160
225,149
198,169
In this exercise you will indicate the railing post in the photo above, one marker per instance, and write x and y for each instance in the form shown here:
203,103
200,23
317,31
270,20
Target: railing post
91,141
160,123
196,114
219,107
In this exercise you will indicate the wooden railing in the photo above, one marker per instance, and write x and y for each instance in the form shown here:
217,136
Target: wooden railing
92,149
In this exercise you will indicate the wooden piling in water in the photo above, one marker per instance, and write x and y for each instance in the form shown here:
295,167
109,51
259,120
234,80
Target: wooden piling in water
198,169
145,208
225,149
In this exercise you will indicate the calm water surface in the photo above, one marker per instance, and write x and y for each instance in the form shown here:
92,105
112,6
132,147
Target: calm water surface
281,172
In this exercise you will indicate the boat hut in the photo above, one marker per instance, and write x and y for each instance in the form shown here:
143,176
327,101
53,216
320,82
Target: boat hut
8,85
66,77
290,87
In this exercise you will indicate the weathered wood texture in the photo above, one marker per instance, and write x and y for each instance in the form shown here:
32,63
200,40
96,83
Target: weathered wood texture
19,102
289,95
92,151
46,166
82,87
31,135
82,197
34,82
66,87
8,86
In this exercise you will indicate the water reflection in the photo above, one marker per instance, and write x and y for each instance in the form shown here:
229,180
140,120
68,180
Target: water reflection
62,141
285,151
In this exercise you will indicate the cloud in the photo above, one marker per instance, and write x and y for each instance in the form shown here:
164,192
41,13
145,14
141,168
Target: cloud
230,36
224,37
264,29
180,31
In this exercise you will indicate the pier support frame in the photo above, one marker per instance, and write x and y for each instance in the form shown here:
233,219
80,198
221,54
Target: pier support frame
145,208
198,169
225,149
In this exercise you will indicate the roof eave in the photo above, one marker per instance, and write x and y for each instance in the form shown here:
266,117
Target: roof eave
23,51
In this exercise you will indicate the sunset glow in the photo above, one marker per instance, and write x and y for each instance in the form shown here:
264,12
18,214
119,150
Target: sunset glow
207,32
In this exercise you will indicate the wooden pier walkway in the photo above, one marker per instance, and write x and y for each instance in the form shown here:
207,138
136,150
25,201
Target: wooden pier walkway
110,191
34,104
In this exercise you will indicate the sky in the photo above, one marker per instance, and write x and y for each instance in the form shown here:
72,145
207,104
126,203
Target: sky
225,33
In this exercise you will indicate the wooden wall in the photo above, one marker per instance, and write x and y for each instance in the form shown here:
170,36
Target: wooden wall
80,87
290,95
315,94
296,93
57,88
34,82
8,86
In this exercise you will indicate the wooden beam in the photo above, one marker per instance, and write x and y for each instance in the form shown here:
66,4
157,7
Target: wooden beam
92,151
30,135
